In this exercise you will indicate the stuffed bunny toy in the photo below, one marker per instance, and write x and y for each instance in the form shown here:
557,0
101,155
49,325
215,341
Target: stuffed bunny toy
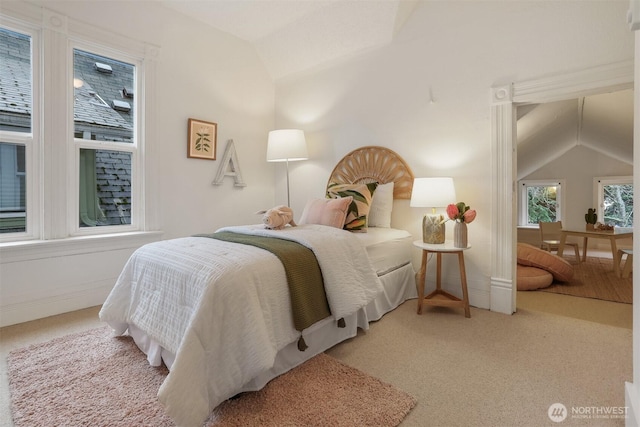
276,218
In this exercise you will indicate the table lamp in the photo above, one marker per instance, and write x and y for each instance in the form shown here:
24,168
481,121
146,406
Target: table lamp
286,145
433,193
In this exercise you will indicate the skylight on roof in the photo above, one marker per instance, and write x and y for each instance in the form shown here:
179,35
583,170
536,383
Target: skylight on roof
120,105
104,68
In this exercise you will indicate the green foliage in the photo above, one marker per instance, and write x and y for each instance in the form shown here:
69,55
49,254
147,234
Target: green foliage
542,204
618,205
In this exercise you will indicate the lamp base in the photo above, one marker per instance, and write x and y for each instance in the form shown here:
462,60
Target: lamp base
433,229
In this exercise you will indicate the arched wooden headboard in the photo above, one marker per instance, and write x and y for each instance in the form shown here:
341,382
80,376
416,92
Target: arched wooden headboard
374,164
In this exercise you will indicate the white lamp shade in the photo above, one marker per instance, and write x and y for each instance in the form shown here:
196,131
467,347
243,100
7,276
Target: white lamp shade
286,145
432,192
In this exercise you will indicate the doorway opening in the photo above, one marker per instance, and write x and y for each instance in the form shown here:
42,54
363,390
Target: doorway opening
506,99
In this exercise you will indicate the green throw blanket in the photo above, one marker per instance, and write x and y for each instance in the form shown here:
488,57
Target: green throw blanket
304,277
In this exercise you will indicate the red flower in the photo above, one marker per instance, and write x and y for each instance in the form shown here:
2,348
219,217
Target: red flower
469,216
452,211
460,212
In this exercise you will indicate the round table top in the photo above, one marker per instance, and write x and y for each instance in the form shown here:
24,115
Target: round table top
447,246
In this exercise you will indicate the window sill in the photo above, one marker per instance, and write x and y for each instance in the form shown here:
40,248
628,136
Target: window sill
38,249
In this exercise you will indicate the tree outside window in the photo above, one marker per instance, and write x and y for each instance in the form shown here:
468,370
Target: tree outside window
542,204
539,202
615,201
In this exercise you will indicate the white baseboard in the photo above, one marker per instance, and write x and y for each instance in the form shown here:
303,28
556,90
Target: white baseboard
502,296
57,304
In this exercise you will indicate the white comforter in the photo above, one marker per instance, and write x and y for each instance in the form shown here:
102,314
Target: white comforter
223,308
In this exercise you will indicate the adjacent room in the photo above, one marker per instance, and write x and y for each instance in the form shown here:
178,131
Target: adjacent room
312,212
573,154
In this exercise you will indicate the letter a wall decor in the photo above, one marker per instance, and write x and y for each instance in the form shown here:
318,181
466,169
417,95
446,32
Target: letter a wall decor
230,167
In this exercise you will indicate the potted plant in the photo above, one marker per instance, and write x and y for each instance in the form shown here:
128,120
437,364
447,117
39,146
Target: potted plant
591,218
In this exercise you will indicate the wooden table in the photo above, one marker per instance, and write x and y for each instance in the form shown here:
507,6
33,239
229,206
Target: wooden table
612,236
440,297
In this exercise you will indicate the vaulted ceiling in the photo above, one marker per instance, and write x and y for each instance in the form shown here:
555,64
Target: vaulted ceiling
292,36
603,123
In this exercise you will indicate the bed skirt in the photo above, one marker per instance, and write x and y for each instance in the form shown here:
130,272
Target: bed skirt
399,286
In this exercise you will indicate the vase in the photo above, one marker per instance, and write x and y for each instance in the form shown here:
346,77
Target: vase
433,229
460,235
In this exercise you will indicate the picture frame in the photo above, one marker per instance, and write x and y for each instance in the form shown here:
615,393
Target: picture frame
201,139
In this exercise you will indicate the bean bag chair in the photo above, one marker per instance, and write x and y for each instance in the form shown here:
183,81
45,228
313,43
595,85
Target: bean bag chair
530,256
532,278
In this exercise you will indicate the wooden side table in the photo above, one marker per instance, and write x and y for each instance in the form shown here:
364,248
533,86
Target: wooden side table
440,297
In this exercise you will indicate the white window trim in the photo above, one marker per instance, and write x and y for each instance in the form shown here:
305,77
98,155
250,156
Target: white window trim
136,148
598,191
32,141
522,199
52,189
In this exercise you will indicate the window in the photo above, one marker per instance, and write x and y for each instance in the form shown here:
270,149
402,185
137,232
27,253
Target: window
15,129
71,144
540,201
104,135
615,200
13,191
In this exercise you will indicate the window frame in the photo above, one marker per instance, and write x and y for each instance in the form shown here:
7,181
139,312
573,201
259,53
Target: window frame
52,192
135,148
523,206
598,190
32,141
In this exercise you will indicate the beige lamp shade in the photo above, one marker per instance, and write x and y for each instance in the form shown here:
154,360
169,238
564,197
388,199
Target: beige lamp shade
286,145
432,192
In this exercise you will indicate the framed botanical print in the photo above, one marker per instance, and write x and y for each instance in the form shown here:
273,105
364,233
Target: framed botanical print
201,142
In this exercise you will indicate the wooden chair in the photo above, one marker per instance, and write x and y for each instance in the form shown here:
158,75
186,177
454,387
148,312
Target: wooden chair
628,264
550,237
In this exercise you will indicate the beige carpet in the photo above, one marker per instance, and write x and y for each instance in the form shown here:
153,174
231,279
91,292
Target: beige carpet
595,278
93,379
490,370
591,309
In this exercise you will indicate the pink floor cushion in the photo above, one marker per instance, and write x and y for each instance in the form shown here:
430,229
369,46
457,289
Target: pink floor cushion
531,256
532,278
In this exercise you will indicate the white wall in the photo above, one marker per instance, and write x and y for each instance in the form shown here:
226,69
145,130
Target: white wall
201,73
450,53
578,167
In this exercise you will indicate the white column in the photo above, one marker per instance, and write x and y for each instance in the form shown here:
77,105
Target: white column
503,217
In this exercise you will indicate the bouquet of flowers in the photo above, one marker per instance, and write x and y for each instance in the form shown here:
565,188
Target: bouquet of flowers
460,212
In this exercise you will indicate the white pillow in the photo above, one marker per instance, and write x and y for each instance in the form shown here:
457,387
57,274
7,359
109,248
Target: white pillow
381,206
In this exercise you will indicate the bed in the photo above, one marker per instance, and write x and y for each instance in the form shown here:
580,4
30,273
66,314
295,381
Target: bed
218,313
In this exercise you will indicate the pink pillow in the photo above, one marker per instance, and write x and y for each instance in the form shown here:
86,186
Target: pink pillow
331,212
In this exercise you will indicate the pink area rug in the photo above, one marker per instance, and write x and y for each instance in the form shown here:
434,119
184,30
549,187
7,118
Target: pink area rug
94,379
